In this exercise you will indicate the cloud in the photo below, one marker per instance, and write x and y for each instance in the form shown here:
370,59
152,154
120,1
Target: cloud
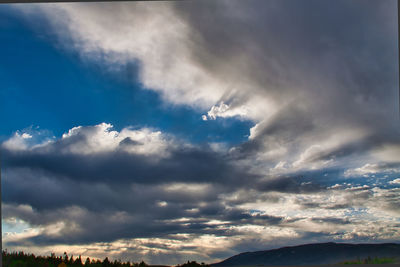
373,168
321,92
214,196
100,138
89,178
224,111
17,142
97,178
395,181
95,153
313,85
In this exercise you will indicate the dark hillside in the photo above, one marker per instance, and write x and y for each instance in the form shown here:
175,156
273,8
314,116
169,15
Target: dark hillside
313,254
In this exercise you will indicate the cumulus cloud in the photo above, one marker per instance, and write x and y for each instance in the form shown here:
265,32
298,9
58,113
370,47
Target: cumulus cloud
17,142
101,138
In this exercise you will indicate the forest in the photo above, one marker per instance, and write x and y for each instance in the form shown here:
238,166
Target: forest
21,259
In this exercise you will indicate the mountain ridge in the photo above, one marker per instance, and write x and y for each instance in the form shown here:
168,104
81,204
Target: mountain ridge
312,254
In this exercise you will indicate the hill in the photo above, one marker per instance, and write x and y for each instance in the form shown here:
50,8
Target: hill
313,254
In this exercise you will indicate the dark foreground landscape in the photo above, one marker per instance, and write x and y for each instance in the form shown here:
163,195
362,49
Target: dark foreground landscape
316,254
303,255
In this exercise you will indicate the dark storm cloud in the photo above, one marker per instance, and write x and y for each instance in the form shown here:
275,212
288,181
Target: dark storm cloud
98,181
334,59
299,36
25,186
83,226
73,188
116,190
185,165
293,184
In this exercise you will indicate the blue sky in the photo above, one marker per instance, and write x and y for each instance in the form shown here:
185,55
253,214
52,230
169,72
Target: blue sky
76,92
164,132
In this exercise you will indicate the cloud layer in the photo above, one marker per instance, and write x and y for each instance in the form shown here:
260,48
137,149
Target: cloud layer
319,82
175,193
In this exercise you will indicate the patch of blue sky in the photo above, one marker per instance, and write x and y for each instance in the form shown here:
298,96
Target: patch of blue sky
330,177
14,226
356,212
325,177
255,212
47,85
380,180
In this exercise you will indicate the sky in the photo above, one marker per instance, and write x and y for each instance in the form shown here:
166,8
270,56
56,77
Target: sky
197,130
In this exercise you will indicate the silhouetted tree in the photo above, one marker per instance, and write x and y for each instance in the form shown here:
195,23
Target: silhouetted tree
78,261
106,262
193,264
71,260
65,257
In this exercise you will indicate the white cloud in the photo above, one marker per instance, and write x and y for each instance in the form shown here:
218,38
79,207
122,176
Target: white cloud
370,169
186,187
224,111
150,33
101,138
16,142
363,171
162,42
395,181
26,136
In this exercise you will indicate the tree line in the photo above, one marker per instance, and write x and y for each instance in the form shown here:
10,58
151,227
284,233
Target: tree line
21,259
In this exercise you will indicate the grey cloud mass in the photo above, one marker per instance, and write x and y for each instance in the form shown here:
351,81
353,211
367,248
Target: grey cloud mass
319,80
